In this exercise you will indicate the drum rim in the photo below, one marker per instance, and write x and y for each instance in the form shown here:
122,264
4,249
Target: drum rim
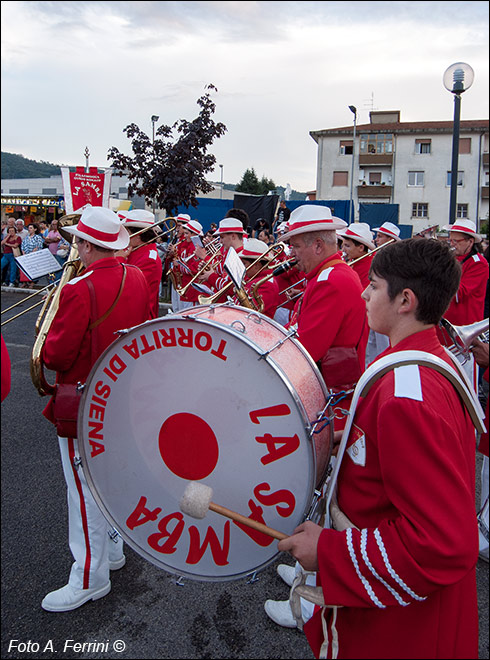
307,425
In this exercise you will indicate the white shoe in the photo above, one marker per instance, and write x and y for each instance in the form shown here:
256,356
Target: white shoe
69,598
116,564
280,612
287,573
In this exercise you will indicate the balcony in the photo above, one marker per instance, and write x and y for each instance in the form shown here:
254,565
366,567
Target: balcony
375,159
378,190
486,159
484,192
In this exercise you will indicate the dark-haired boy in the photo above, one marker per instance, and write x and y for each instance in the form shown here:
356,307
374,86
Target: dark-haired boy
400,582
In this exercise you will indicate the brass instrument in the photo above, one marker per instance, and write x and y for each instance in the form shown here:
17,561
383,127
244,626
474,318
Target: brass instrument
368,254
463,336
46,316
21,302
157,236
206,265
277,248
254,291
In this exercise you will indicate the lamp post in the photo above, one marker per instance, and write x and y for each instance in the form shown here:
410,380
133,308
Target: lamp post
457,79
221,188
154,119
353,109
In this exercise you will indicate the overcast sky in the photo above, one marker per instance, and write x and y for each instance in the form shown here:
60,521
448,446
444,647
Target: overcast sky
74,74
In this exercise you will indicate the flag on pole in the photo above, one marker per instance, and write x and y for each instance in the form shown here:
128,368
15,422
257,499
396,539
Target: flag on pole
82,188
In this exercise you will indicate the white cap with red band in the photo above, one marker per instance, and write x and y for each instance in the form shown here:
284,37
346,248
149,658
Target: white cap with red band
102,227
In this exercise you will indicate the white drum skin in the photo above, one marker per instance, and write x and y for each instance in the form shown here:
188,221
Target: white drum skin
197,397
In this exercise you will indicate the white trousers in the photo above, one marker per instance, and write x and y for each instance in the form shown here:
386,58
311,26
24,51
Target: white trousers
93,542
377,343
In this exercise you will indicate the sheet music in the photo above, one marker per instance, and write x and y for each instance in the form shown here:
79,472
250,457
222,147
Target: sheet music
39,263
234,267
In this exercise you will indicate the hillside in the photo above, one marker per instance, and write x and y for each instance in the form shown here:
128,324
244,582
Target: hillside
15,166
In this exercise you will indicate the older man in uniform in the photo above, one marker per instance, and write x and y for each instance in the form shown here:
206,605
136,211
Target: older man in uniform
106,297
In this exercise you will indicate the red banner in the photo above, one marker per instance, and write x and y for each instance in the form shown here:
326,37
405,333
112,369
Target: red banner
82,188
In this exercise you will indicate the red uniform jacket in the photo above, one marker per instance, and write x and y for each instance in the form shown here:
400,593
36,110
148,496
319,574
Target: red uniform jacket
362,269
188,265
147,259
68,346
406,576
332,312
467,306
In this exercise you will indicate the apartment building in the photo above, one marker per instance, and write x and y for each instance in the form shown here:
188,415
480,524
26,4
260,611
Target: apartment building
408,164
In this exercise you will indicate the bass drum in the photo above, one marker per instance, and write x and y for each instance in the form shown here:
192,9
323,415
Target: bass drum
219,395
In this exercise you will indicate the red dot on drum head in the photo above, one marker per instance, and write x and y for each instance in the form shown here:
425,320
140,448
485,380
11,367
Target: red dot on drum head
188,446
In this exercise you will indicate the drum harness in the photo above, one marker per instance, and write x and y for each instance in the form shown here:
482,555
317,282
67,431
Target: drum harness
334,517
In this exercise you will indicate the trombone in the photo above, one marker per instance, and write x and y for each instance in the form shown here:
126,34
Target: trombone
206,265
277,248
157,235
368,254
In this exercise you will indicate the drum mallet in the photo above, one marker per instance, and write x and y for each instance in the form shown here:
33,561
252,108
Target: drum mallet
196,501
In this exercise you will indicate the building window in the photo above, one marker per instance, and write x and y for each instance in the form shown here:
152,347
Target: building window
460,179
376,143
464,145
423,146
340,179
374,178
462,211
19,191
420,210
416,178
346,147
49,191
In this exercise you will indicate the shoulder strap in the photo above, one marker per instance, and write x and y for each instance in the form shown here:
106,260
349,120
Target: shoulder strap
92,294
388,363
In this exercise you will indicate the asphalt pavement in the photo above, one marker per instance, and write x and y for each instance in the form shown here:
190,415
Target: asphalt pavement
149,613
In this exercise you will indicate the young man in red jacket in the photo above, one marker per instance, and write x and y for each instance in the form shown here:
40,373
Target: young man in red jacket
399,580
79,333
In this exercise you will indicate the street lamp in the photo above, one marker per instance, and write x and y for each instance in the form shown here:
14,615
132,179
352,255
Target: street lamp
457,79
353,109
221,189
154,119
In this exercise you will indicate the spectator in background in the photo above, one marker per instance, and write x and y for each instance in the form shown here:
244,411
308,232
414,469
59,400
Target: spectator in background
20,228
43,228
11,249
266,237
260,224
282,215
31,243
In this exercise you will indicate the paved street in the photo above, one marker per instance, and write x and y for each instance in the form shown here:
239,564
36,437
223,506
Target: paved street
147,614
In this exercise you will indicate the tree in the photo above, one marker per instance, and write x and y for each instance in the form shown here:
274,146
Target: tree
171,171
251,185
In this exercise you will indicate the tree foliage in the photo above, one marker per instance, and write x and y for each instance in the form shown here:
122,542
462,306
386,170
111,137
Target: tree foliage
251,185
171,170
15,166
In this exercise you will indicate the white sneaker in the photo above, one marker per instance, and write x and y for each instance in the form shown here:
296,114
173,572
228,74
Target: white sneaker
287,573
116,564
69,598
280,612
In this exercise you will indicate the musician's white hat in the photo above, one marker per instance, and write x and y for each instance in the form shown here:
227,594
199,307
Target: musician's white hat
390,230
195,227
254,249
229,226
310,218
138,218
360,232
102,227
464,227
183,218
284,226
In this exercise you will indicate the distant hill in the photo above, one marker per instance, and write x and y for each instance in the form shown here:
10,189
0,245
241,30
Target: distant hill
15,166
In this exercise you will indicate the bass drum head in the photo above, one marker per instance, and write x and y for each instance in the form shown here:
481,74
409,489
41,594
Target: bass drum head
181,399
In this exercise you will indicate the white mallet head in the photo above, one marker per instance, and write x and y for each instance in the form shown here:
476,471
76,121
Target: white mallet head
196,499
